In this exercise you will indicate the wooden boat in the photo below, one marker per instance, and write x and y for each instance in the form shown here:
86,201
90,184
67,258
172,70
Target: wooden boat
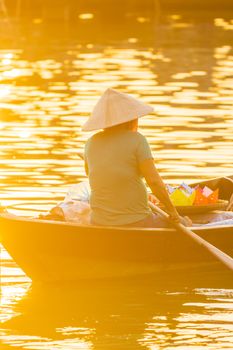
52,251
60,251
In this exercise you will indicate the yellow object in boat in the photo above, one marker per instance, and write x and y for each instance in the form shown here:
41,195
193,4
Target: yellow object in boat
179,198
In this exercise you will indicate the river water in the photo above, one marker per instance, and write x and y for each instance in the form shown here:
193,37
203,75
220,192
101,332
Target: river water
182,65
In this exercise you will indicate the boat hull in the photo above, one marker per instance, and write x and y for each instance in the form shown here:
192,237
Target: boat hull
56,251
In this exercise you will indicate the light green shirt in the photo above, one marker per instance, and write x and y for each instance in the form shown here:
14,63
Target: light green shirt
118,193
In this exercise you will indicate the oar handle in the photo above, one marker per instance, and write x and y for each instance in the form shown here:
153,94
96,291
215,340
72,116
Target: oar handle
221,256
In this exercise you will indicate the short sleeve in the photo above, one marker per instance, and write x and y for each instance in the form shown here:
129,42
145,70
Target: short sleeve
143,150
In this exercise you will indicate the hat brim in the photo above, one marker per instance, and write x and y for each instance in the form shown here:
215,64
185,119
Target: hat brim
115,108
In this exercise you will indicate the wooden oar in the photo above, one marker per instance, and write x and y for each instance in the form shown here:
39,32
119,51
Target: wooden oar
221,256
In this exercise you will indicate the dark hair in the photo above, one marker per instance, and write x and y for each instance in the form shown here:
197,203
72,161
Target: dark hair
123,126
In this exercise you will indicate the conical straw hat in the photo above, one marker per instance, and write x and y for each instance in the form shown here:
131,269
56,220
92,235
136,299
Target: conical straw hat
115,108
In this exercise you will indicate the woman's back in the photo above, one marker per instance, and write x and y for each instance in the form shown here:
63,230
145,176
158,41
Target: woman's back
118,194
117,159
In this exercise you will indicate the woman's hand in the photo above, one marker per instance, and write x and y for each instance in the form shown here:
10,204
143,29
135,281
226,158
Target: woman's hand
174,216
186,221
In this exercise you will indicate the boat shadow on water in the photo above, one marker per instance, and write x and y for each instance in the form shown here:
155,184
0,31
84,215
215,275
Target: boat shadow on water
117,313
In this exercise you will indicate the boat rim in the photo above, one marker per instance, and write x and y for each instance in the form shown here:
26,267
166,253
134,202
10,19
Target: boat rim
13,217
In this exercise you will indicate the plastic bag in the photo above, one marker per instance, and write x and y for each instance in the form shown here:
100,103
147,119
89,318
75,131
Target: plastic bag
79,192
76,211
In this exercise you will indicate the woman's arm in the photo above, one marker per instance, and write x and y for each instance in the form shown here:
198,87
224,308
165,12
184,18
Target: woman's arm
86,167
81,155
156,184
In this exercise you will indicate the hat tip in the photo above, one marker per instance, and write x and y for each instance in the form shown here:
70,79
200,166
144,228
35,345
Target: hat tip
110,90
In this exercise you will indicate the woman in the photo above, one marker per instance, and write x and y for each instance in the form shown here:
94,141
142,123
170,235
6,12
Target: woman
116,160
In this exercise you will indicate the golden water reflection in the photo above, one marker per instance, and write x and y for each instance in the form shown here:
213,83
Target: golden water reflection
45,102
45,97
137,314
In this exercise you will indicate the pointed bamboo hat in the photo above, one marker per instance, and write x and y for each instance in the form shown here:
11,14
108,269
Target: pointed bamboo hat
115,108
